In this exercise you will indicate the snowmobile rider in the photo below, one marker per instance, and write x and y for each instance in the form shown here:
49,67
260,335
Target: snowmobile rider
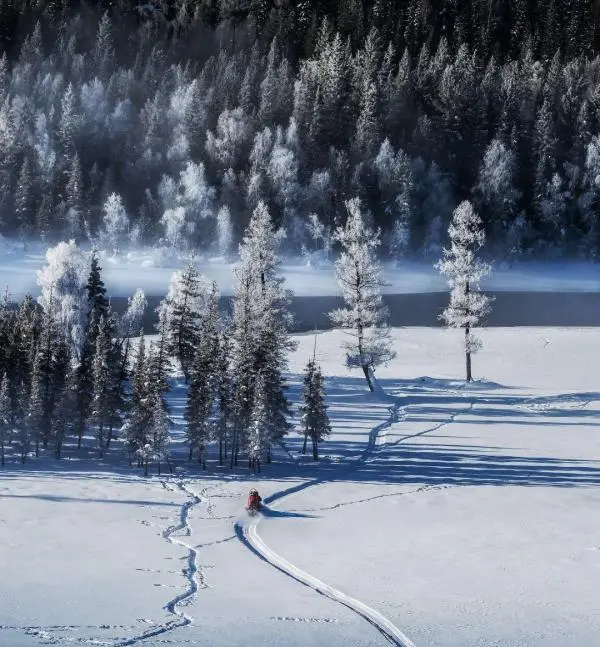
254,499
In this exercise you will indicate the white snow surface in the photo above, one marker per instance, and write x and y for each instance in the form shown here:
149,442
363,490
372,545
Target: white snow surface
151,271
441,515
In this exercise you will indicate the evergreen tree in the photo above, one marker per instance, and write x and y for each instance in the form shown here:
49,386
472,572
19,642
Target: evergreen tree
360,278
160,434
5,417
464,271
97,311
204,382
100,411
185,306
136,426
313,413
260,331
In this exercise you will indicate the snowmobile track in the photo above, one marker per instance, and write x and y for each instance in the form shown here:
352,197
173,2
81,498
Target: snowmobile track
250,537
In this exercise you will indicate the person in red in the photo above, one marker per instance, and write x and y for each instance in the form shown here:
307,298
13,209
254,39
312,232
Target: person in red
254,500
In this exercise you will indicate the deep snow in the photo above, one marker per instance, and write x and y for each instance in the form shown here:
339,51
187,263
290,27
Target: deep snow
464,515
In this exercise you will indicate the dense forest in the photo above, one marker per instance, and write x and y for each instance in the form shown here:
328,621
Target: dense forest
167,122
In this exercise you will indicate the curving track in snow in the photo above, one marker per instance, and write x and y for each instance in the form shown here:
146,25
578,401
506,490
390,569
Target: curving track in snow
249,535
385,627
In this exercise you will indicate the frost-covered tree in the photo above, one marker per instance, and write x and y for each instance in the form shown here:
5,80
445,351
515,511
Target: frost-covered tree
496,192
100,409
63,281
5,416
313,412
463,271
135,429
186,304
115,223
260,340
360,278
204,382
224,232
159,430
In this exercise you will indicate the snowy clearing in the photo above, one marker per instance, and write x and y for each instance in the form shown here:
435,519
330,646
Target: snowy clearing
460,516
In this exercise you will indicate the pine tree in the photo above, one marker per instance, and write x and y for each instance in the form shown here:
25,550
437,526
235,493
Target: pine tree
136,426
100,411
24,201
5,416
224,393
313,413
464,270
185,307
159,433
258,440
359,276
259,331
204,382
97,311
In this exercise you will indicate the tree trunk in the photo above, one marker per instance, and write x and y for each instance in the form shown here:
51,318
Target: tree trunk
146,467
468,354
305,441
220,450
315,449
2,449
367,373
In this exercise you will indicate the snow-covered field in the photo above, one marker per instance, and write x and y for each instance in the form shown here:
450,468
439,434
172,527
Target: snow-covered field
452,516
151,272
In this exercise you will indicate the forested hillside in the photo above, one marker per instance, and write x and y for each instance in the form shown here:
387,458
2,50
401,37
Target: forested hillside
167,122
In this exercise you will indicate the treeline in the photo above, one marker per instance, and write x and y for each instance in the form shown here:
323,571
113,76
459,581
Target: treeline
166,123
69,369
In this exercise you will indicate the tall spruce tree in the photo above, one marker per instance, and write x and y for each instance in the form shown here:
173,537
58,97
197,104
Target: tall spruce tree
204,382
313,413
260,332
186,304
100,411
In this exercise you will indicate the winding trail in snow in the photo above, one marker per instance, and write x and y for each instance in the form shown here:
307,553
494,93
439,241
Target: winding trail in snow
249,535
193,573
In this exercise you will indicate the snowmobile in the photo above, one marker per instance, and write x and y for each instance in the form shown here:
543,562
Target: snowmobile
254,502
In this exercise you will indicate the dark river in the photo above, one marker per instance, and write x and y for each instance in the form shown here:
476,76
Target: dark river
509,309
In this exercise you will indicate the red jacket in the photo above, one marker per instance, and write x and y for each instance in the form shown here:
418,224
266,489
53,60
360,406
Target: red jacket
254,500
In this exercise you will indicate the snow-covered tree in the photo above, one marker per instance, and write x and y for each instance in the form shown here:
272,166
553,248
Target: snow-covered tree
136,428
313,412
260,340
360,278
101,372
186,304
173,222
159,430
204,382
496,191
224,232
63,281
115,223
5,416
463,271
